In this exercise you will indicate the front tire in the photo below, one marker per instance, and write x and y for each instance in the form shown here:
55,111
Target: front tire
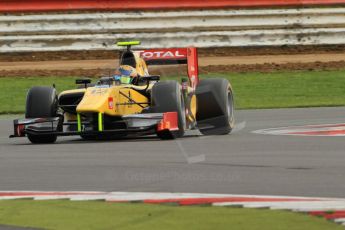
41,102
215,114
42,139
166,96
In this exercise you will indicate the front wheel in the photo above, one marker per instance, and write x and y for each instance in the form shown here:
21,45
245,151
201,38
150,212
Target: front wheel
215,103
41,102
166,96
42,139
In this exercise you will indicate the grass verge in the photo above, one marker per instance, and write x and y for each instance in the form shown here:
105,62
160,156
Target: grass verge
252,90
63,214
288,89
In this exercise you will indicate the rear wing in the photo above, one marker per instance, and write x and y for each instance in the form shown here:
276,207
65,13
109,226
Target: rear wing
173,56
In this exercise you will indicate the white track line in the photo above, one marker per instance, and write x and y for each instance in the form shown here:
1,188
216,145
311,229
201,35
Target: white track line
292,203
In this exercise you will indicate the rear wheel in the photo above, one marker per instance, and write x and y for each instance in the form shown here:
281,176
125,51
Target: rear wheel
41,102
215,115
166,96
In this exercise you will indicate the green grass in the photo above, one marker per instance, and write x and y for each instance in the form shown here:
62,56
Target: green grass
63,214
252,90
288,89
13,90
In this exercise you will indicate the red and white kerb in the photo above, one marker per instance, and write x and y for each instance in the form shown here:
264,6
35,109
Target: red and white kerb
307,130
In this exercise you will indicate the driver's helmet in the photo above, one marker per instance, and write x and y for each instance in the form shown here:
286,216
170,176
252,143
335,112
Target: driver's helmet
125,74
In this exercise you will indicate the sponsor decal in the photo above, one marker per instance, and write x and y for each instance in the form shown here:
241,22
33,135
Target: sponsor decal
99,91
163,54
110,103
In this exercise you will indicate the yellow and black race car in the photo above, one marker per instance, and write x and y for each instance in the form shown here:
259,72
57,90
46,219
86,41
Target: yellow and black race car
131,102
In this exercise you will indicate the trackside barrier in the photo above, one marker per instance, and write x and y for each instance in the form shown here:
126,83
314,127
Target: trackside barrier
207,28
121,5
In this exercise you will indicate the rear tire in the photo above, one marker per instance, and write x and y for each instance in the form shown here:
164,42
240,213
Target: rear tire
41,102
166,96
215,114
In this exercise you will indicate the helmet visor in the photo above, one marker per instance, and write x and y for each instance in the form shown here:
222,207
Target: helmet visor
123,79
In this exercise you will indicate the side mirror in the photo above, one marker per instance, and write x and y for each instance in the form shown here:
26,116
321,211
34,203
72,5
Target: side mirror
151,78
146,79
84,82
106,81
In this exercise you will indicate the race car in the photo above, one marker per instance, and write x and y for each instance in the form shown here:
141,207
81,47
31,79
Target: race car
131,102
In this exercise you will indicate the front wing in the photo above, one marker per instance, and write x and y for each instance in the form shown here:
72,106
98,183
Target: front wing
136,124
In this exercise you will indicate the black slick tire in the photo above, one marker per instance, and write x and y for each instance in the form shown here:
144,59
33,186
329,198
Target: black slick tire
166,96
215,106
41,102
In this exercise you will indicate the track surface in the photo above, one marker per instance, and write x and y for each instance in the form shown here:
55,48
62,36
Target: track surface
240,163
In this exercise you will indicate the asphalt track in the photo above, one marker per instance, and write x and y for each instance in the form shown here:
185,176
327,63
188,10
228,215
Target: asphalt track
240,163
